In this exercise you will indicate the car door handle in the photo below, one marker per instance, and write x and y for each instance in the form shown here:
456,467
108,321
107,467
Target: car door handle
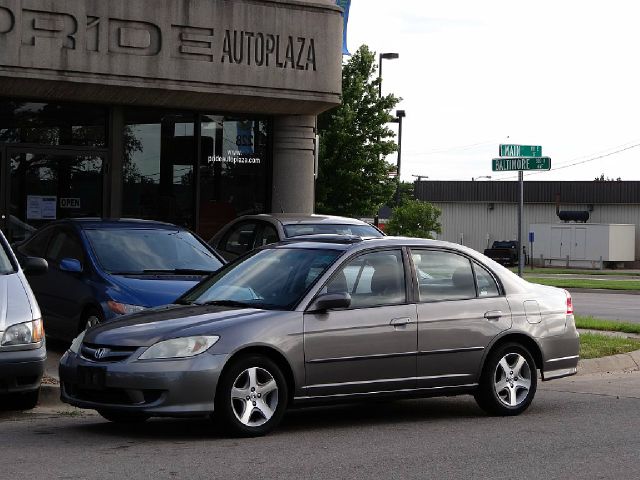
493,315
400,322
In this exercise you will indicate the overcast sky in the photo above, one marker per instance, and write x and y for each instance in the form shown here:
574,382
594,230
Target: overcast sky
562,74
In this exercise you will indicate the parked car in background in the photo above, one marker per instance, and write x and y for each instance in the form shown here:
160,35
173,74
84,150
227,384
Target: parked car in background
326,319
252,231
504,252
22,343
101,269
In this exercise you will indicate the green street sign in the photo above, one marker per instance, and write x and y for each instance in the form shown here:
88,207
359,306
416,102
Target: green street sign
512,164
520,151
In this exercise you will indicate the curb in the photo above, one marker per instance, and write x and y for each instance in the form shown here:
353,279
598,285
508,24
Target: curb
603,290
623,362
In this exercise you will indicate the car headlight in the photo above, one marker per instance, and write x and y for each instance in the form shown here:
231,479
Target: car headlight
23,333
77,342
124,308
179,347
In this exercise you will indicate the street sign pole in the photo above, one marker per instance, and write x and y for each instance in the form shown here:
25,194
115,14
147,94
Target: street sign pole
520,210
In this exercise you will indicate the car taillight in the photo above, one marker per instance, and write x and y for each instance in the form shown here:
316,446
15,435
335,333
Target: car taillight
569,303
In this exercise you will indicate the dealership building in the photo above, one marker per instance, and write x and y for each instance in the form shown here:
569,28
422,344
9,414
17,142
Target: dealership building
188,111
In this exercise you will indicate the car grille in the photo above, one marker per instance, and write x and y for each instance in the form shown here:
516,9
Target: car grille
112,396
105,353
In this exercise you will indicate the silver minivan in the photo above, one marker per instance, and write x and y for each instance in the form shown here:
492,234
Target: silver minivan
22,342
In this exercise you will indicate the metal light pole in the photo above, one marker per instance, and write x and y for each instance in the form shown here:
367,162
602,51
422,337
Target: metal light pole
384,56
400,114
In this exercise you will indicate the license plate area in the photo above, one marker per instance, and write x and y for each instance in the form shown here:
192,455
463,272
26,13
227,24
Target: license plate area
93,378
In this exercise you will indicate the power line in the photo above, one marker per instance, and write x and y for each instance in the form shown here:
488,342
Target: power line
528,174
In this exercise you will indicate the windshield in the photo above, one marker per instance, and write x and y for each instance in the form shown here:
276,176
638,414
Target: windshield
6,266
271,279
336,229
138,251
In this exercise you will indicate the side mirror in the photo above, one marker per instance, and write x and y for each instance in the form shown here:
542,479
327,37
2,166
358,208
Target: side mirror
330,301
34,266
70,265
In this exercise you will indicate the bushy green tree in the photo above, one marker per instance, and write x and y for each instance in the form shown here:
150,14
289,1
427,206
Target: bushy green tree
414,218
353,177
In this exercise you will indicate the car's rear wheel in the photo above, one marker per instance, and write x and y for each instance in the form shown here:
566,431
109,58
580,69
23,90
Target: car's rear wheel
508,382
117,416
252,396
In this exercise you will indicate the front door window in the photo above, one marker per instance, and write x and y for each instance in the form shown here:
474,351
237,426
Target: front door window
51,184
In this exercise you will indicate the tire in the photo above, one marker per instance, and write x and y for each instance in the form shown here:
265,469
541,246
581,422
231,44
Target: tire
117,416
251,397
89,319
508,382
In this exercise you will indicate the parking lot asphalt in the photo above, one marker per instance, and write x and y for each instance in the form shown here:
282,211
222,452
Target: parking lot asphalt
579,427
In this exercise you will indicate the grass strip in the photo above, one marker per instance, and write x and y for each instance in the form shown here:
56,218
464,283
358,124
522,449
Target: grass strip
586,283
592,323
593,345
577,271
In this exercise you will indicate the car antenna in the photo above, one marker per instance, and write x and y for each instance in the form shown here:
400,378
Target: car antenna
275,191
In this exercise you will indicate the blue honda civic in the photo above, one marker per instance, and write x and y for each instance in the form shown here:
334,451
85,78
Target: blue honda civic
102,269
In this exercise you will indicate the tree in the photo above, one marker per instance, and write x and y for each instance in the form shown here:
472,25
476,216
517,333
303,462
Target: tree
353,177
406,192
602,178
414,219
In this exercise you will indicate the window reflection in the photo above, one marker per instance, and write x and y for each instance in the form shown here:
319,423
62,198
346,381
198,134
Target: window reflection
52,123
233,170
158,166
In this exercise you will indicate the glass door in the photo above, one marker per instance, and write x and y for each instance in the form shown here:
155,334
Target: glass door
48,184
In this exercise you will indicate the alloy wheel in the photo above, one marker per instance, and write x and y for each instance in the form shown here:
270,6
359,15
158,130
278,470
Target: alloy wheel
254,397
512,379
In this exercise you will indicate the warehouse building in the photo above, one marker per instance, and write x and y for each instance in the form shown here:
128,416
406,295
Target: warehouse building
477,213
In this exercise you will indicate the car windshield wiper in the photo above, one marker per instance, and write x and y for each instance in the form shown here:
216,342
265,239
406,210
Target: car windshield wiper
230,303
179,271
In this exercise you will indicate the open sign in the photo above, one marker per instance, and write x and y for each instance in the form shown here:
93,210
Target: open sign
69,203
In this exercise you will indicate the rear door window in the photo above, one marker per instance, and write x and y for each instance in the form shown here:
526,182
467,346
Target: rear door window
443,275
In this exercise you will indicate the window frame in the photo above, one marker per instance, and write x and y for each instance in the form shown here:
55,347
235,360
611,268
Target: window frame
408,280
471,259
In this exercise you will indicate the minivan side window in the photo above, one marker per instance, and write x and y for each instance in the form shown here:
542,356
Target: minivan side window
443,275
240,238
64,245
36,246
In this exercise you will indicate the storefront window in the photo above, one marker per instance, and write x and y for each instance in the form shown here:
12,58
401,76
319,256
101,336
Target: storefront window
233,170
158,166
52,123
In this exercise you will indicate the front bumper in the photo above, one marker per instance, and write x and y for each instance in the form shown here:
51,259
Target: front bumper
21,370
176,387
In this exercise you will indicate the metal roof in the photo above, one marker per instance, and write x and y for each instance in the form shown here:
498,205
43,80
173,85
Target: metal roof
579,192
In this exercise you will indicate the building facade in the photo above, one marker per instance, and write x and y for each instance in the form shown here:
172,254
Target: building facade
188,111
477,213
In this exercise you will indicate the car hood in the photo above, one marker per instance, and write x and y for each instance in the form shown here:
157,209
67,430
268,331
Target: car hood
15,303
154,290
146,328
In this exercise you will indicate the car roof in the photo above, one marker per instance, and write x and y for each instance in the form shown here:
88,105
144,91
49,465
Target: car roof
350,242
302,218
104,223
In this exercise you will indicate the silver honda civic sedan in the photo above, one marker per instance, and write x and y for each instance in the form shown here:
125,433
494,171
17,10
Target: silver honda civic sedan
328,319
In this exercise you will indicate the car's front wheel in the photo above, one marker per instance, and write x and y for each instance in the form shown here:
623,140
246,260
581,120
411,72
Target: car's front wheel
508,382
252,396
